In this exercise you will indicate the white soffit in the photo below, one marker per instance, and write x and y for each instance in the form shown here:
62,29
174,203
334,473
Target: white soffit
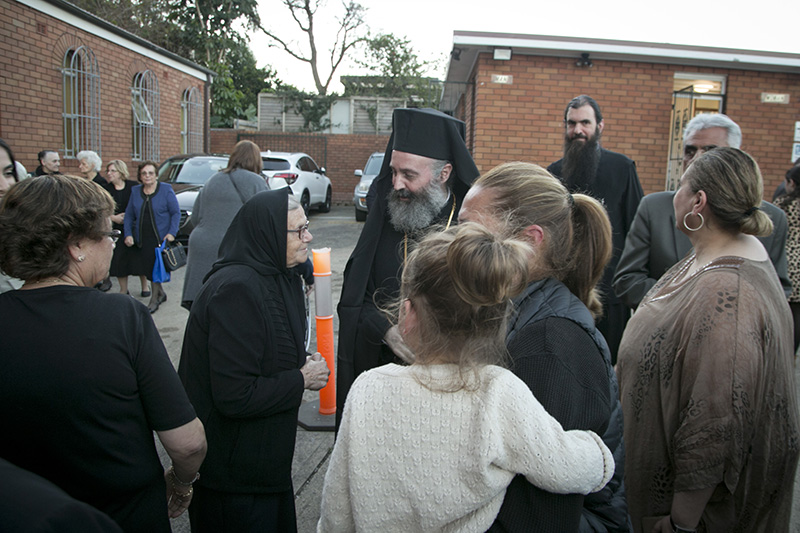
629,50
88,27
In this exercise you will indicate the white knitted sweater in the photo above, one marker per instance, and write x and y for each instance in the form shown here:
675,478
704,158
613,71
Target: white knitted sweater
411,458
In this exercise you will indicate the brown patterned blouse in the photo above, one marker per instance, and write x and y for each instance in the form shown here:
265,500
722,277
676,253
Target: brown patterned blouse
707,387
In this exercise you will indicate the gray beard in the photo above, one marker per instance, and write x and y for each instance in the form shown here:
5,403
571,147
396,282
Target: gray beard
421,209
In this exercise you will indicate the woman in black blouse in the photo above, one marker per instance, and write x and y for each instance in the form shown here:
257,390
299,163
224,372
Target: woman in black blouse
120,188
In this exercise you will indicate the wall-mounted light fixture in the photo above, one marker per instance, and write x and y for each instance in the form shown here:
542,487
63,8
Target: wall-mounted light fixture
502,54
455,53
584,61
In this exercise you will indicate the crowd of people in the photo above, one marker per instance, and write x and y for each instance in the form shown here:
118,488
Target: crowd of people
526,349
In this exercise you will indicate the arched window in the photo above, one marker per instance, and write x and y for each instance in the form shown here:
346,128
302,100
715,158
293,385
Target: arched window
146,120
81,95
191,121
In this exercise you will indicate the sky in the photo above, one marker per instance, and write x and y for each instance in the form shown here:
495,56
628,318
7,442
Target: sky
429,25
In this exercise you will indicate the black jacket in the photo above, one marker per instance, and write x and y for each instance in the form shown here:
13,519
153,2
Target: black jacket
559,353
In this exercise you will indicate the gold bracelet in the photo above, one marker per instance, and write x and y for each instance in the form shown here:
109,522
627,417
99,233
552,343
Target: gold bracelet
175,477
184,496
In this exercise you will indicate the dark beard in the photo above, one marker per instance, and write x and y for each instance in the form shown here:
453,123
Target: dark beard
419,211
580,162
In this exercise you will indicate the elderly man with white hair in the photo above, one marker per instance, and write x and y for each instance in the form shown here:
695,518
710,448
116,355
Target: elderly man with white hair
654,242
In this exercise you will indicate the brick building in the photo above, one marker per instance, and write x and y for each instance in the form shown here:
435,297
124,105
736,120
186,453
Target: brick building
511,90
70,81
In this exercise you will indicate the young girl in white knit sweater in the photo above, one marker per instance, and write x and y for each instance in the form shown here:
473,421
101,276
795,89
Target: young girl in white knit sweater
433,446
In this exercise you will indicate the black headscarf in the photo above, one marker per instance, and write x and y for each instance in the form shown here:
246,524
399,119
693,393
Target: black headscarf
257,238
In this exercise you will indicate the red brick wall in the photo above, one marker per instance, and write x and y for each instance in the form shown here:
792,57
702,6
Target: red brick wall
524,120
341,155
31,88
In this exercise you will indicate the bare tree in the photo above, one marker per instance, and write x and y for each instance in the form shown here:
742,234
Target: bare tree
350,33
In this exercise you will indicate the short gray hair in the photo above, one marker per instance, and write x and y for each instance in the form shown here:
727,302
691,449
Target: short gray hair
294,203
715,120
437,166
92,158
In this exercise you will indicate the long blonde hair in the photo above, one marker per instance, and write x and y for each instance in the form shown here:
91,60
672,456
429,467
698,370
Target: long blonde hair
577,244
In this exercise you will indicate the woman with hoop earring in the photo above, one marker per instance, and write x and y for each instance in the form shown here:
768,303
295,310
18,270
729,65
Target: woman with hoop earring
706,369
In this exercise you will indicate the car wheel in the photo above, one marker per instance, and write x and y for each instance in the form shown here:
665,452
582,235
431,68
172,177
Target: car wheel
305,202
326,206
361,216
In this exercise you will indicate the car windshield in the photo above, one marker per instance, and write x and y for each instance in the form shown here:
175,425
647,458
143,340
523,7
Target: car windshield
374,165
197,171
276,164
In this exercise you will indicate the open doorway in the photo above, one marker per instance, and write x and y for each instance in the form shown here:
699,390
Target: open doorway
692,94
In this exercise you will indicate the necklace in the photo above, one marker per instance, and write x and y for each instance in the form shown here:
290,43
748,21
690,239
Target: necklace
46,280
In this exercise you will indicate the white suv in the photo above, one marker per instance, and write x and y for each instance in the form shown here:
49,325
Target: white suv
298,171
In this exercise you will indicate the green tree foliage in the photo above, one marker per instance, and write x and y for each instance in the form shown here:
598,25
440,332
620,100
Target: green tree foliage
351,33
396,72
204,31
313,108
148,19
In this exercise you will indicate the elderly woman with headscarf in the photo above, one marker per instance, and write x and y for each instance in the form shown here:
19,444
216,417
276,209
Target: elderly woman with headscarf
245,368
86,379
706,369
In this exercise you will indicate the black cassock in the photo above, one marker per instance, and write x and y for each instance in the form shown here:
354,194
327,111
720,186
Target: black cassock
372,273
617,186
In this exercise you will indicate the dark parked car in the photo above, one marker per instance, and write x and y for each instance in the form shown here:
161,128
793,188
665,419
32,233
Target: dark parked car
187,173
370,172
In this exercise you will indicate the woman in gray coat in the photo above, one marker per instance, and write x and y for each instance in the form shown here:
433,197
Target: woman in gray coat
216,205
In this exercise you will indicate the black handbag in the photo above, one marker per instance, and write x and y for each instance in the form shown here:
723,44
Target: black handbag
174,255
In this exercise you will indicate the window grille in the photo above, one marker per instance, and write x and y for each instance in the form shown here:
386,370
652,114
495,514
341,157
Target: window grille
81,101
145,101
191,121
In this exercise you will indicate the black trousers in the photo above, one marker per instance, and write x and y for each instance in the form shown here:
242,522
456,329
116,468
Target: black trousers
213,511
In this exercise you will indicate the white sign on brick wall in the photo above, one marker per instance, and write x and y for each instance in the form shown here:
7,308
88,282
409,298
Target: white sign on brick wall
774,98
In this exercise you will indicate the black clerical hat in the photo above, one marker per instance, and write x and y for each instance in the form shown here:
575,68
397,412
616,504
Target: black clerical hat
431,133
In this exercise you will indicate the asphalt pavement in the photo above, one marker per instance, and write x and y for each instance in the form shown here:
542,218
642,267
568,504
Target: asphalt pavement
339,231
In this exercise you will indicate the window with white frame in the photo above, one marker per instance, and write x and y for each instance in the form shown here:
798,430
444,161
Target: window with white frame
81,101
191,121
145,117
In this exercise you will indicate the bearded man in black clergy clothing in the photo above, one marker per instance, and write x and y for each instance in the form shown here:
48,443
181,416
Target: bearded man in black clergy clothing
426,173
610,177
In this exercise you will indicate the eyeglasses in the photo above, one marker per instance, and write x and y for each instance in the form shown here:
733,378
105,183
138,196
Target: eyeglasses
302,229
114,234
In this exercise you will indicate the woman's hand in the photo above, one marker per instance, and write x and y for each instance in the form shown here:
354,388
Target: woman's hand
315,372
177,501
395,341
128,241
118,218
169,237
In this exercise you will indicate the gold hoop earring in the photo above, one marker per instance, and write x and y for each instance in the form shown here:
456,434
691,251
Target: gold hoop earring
702,222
